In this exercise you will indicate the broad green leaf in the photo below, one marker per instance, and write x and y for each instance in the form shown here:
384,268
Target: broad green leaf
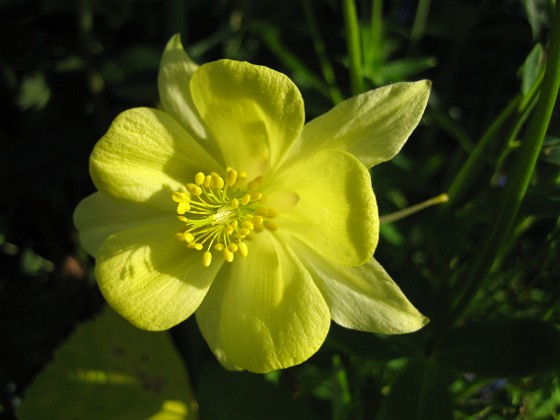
110,370
420,392
225,395
508,348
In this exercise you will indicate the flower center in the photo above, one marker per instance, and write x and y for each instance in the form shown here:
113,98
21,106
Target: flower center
221,214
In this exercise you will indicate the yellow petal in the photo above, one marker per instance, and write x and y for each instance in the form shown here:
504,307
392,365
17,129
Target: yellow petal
150,278
264,312
253,113
98,216
372,126
336,213
363,297
145,156
174,78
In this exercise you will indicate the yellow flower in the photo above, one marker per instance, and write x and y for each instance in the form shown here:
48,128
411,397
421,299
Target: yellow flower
226,204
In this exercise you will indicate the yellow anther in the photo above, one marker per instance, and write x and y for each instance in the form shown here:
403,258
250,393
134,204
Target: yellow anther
241,176
270,225
183,207
184,236
231,177
199,178
206,259
271,214
194,189
245,199
180,196
243,232
218,218
255,183
217,180
242,249
228,255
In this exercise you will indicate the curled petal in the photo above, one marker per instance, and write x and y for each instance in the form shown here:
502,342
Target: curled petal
363,297
335,212
145,156
253,113
98,216
264,312
174,78
149,277
372,126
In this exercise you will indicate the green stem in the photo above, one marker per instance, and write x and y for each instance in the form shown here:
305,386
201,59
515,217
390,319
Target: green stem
376,30
352,30
518,106
409,211
518,181
326,66
464,178
95,80
420,19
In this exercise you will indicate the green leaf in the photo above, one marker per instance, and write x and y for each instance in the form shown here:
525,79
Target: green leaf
420,392
242,395
538,15
110,370
508,348
532,67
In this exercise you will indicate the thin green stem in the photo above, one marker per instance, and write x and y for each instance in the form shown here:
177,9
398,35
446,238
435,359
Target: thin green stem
409,211
464,178
518,106
326,66
420,19
376,30
518,181
95,80
352,31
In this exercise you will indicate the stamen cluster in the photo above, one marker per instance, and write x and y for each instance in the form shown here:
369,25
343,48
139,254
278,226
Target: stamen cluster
221,214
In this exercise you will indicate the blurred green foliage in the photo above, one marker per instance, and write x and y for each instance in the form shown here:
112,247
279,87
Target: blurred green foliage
492,350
